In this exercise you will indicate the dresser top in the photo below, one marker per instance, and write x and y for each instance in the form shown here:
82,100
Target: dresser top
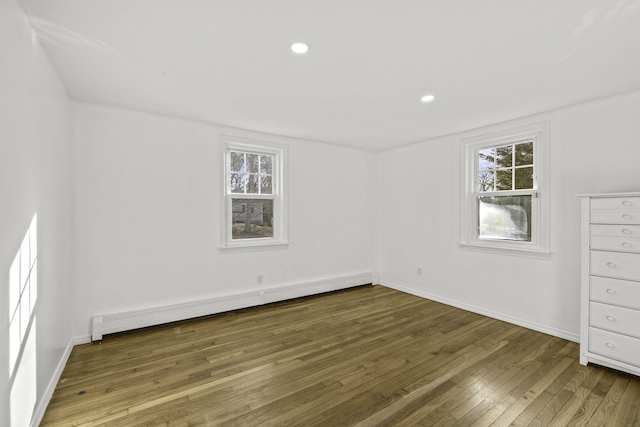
628,194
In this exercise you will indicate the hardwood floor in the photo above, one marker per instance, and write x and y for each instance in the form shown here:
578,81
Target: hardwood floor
369,356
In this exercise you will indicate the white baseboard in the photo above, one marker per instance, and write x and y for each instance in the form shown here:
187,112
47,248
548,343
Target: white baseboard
118,322
493,314
53,382
84,339
316,287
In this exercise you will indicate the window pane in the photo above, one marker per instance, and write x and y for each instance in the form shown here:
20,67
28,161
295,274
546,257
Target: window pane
524,178
266,185
504,156
266,165
486,159
485,181
237,182
252,162
237,162
504,218
251,219
503,179
252,184
524,154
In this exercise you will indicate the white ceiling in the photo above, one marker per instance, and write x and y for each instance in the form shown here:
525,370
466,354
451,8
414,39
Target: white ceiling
228,61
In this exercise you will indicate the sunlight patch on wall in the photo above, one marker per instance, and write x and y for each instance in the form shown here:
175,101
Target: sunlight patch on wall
23,293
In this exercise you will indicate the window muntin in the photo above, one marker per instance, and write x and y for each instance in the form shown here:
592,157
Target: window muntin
504,202
250,173
506,167
254,208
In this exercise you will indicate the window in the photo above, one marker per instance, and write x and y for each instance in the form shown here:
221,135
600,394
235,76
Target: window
254,207
504,201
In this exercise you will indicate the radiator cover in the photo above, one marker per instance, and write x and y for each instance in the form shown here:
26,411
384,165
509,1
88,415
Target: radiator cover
104,324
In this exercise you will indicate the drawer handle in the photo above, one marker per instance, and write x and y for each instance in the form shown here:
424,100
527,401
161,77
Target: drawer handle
626,231
611,318
611,264
627,217
610,345
611,292
627,203
626,245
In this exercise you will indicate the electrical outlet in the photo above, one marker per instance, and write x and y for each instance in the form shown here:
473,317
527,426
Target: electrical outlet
260,279
419,271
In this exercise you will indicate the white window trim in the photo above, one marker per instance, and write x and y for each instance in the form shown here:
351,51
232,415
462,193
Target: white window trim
279,196
539,245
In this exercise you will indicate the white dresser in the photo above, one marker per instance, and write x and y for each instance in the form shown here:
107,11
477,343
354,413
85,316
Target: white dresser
610,322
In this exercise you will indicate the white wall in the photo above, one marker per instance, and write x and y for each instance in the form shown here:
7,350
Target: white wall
35,165
594,148
147,194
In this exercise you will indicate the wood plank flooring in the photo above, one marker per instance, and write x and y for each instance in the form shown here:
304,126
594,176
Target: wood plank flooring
369,356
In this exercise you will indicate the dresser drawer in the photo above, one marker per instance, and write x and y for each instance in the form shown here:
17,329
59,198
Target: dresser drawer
615,346
622,244
628,231
615,210
608,203
614,291
615,319
615,217
616,265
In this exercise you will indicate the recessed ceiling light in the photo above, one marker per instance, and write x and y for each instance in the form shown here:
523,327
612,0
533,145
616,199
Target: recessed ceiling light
299,48
427,98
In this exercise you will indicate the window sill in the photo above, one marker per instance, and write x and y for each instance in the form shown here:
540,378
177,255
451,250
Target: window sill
502,250
254,247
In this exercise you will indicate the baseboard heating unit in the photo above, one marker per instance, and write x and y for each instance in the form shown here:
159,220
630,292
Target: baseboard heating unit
128,320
